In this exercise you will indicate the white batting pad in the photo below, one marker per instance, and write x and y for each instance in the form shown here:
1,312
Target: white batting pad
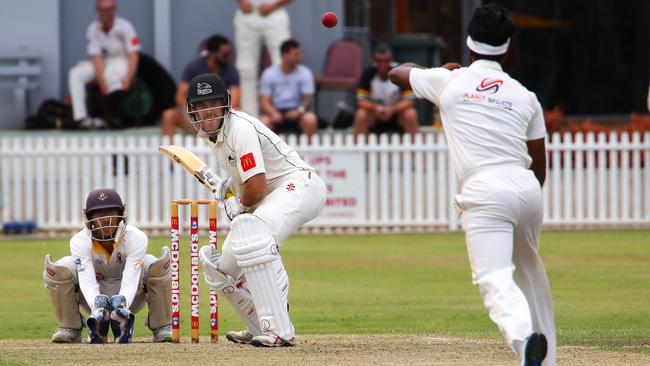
238,295
60,285
257,255
159,291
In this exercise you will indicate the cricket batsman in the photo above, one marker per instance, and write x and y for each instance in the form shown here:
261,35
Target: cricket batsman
275,193
109,274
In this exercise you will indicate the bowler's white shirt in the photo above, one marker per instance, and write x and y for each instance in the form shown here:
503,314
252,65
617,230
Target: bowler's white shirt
245,147
120,41
487,116
124,265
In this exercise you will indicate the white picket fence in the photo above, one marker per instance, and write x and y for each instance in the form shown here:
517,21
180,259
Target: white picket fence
406,185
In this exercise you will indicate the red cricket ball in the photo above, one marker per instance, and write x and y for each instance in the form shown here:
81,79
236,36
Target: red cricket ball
330,19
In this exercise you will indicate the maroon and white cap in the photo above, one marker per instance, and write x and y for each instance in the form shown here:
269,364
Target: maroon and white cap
104,198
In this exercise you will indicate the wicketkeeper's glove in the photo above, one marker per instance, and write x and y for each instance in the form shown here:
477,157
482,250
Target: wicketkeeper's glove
98,320
122,320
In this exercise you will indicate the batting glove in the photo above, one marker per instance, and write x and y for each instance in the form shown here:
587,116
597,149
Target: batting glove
224,190
233,207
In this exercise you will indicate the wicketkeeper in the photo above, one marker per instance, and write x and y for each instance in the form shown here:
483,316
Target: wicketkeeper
110,275
275,193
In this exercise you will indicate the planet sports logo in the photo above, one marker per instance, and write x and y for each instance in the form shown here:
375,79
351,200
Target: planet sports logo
489,85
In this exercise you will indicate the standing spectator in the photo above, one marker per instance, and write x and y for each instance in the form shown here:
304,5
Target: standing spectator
113,46
256,20
287,93
495,130
214,60
381,105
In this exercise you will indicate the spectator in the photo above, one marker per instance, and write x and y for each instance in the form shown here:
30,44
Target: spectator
113,46
287,93
381,105
215,61
256,20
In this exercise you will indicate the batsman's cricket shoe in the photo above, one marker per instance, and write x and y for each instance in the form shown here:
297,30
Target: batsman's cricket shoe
66,335
242,336
163,334
536,348
271,340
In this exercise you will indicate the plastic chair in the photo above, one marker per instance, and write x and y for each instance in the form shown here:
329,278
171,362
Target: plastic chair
342,66
342,69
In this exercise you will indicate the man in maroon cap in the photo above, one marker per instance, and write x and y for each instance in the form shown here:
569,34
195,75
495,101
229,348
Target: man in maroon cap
110,275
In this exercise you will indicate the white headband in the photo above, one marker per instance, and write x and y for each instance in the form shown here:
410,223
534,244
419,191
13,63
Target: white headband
487,49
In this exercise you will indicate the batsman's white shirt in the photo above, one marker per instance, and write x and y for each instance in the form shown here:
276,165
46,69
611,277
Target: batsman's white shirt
295,193
245,147
487,116
122,268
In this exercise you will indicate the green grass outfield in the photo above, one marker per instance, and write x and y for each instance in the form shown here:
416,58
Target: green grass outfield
403,284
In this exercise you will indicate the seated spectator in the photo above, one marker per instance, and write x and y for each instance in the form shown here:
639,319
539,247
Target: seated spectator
381,105
215,61
287,93
113,45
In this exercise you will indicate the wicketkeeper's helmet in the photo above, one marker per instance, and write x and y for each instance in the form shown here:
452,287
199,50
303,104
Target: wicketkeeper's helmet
100,199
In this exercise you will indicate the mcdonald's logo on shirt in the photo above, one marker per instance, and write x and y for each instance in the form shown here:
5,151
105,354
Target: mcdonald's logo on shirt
247,162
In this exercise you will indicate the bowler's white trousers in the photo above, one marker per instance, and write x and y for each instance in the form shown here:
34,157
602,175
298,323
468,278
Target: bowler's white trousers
502,218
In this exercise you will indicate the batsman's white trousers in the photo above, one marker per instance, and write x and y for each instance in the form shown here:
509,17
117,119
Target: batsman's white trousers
502,218
294,200
250,29
115,69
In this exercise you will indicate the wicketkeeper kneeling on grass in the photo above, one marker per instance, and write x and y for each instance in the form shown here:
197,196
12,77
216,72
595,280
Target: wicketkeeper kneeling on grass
110,266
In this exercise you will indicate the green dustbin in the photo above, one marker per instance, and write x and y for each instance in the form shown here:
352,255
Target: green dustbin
422,49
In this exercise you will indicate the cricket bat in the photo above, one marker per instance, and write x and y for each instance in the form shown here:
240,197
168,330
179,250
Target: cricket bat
193,165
